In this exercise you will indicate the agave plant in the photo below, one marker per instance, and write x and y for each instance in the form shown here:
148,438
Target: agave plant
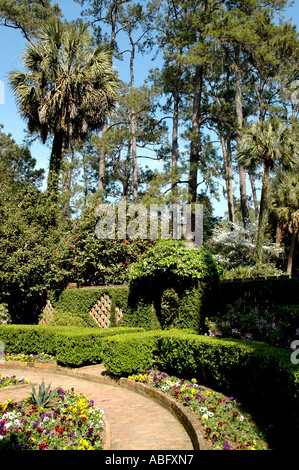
44,395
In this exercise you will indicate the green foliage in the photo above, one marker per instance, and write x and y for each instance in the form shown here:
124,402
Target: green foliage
31,250
169,308
141,311
27,15
17,166
65,318
79,302
72,346
171,258
131,353
261,375
97,262
44,396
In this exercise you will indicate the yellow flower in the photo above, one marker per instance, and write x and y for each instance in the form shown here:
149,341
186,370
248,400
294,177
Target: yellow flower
208,392
80,448
194,381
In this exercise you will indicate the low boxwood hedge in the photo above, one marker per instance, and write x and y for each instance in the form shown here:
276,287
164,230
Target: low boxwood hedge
134,353
72,346
79,302
259,375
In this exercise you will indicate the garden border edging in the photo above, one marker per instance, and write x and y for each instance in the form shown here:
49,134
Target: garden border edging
183,415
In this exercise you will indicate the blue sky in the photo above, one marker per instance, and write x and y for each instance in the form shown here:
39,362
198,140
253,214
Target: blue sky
12,44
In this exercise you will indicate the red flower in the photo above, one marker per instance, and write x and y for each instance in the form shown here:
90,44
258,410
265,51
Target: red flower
220,424
208,430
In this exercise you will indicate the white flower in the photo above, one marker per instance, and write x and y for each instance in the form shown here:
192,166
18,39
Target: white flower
202,409
210,414
241,418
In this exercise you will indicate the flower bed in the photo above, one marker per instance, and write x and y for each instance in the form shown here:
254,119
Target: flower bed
70,423
38,358
6,381
225,426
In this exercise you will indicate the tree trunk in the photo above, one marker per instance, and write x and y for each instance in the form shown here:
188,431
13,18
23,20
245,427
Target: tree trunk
242,174
133,123
195,141
227,157
102,155
55,164
291,252
66,190
102,163
262,215
175,147
254,196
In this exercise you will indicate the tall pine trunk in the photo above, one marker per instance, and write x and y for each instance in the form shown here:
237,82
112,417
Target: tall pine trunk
242,173
195,140
133,123
227,157
102,156
175,146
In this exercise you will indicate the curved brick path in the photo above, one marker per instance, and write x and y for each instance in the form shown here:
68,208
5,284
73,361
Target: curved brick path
136,422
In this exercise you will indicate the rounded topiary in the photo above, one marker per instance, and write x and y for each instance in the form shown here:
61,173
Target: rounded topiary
183,276
175,259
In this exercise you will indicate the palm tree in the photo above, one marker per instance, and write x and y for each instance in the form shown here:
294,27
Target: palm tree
285,207
267,143
68,91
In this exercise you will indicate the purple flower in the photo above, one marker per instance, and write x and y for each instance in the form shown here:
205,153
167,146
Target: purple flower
226,445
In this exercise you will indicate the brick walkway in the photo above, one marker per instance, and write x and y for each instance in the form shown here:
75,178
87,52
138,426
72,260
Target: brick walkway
136,422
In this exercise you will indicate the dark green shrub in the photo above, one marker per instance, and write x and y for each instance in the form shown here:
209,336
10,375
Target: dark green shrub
131,353
31,249
183,277
72,346
78,302
28,339
260,375
63,318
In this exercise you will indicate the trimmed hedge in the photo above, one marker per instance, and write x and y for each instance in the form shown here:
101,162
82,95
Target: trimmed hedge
80,301
133,354
259,375
72,346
